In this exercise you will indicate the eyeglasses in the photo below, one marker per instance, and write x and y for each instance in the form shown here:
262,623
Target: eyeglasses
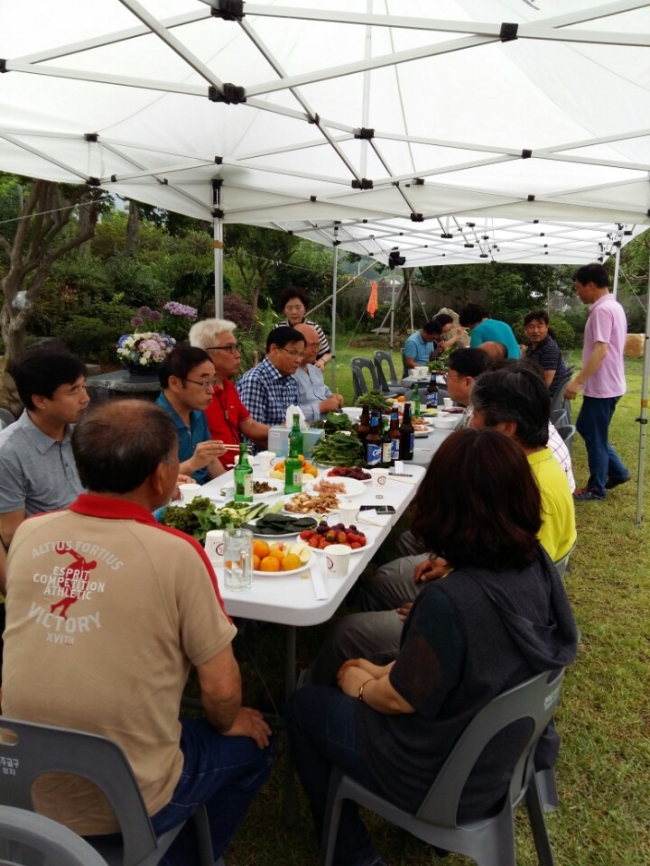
293,354
206,384
232,348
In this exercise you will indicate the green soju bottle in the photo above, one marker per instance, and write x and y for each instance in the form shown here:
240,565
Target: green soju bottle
293,463
243,476
415,400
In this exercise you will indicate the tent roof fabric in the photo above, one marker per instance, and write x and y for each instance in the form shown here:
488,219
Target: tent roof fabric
493,111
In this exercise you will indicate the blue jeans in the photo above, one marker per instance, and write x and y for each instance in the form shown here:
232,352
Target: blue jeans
322,733
593,425
222,773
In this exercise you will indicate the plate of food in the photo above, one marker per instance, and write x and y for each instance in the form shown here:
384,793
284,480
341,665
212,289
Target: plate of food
262,489
336,486
279,559
324,535
358,473
280,525
311,503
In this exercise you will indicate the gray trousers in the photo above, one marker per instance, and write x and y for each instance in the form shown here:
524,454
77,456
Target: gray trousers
375,633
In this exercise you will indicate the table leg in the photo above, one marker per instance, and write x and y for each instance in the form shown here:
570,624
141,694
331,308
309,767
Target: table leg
289,794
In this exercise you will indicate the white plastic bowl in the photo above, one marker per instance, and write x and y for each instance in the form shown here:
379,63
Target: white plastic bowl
445,422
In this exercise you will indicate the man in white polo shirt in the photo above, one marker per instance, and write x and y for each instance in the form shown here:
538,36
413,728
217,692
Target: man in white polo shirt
601,380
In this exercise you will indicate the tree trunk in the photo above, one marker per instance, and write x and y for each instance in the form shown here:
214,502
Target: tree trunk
45,214
132,228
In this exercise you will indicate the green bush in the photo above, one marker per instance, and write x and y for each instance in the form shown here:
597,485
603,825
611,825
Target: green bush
577,318
91,338
564,333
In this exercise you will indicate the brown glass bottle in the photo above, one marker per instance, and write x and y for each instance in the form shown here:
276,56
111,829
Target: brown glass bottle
373,443
407,435
395,437
364,425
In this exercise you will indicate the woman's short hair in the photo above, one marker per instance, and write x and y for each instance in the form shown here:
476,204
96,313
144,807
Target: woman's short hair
471,314
292,292
204,334
180,362
43,368
119,443
479,504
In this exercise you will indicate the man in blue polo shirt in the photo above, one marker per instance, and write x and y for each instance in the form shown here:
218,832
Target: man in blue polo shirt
187,379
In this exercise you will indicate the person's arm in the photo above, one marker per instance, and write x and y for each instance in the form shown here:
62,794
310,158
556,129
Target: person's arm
205,454
220,682
255,431
378,693
324,359
549,375
460,332
410,363
594,361
330,404
9,523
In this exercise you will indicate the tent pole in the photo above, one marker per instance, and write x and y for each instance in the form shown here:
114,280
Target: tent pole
392,314
643,417
217,235
335,270
617,267
411,303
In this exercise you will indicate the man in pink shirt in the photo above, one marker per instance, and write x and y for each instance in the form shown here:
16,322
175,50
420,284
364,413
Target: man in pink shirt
601,380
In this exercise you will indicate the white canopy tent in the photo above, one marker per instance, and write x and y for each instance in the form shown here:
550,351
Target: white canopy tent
315,111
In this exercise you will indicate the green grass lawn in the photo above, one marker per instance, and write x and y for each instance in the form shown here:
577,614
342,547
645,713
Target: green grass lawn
604,720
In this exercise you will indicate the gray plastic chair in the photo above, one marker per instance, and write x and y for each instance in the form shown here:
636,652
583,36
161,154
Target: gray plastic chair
490,842
6,418
358,365
390,384
559,418
558,401
562,565
359,384
43,749
27,838
567,432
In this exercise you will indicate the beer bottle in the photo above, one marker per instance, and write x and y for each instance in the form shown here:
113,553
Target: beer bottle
394,437
243,476
293,463
386,459
373,443
364,425
432,393
407,435
415,398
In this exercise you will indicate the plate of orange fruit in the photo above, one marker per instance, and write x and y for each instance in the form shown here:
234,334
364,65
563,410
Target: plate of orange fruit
278,558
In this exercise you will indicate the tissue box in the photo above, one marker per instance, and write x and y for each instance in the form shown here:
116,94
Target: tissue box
279,440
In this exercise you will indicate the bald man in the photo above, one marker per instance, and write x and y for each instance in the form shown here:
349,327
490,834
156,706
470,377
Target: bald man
314,397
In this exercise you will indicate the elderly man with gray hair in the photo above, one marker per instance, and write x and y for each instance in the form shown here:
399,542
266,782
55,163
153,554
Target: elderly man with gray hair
228,418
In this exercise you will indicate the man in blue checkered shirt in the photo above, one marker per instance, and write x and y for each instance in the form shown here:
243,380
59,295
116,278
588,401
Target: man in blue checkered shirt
270,388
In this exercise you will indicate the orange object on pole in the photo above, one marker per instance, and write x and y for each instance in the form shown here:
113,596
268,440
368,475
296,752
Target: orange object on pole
372,300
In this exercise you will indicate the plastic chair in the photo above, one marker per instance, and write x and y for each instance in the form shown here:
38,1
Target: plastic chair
358,383
562,564
6,418
23,833
559,418
491,841
359,364
390,384
43,749
557,400
567,432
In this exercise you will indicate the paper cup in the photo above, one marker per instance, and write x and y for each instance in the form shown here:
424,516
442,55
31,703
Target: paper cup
448,402
379,477
266,460
348,511
337,559
189,492
214,546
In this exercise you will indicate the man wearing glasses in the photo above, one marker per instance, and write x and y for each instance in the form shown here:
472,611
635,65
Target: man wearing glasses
228,418
187,379
270,388
316,399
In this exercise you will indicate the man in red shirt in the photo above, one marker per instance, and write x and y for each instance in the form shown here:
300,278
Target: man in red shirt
228,418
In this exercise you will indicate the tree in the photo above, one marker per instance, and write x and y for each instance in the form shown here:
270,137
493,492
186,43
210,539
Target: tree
44,231
254,252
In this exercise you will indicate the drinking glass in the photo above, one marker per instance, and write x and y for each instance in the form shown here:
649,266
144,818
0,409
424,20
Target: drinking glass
238,556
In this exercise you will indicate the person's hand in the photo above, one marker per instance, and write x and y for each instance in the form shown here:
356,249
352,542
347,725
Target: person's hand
371,669
431,569
331,404
207,451
404,610
572,390
320,364
351,678
181,479
250,723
